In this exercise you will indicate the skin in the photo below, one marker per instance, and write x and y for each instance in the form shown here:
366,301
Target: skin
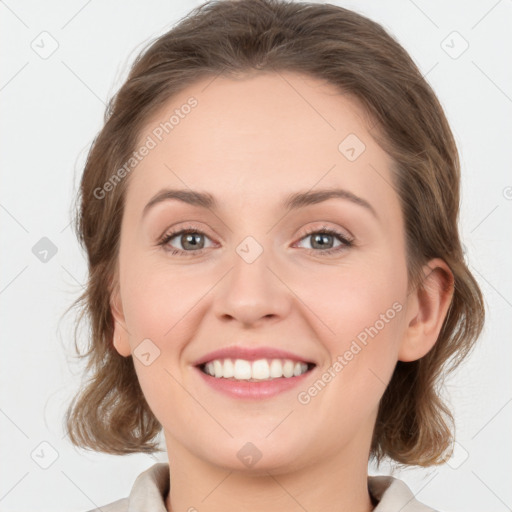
251,142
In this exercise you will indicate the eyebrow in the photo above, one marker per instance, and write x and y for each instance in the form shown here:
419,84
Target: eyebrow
292,202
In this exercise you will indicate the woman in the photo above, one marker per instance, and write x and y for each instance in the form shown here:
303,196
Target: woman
276,275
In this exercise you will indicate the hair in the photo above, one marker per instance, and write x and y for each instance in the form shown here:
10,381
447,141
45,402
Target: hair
357,55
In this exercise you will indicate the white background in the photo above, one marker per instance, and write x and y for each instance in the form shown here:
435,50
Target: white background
52,108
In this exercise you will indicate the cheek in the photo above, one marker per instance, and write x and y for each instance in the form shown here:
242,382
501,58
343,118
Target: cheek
349,299
157,299
363,309
159,318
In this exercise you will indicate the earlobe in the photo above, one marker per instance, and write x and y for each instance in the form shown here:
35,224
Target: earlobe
120,337
428,305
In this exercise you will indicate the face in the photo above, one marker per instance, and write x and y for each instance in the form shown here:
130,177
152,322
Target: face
322,279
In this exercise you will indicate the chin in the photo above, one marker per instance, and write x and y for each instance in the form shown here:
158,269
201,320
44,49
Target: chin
255,454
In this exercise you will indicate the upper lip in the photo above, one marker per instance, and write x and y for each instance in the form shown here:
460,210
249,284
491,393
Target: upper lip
250,354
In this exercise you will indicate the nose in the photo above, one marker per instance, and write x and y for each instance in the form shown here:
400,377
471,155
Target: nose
252,292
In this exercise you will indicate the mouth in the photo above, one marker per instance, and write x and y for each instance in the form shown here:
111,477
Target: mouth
253,373
259,370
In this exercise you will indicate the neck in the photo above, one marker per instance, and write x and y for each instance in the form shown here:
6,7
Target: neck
337,483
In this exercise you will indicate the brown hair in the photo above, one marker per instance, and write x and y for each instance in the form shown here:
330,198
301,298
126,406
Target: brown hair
414,426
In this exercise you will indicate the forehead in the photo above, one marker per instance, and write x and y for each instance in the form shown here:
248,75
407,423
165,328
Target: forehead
255,138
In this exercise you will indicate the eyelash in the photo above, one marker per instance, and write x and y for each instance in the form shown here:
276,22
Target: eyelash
346,242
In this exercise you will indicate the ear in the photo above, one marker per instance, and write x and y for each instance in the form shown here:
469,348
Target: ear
427,307
121,339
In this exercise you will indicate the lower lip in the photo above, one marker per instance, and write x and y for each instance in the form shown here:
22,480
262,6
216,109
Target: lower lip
253,390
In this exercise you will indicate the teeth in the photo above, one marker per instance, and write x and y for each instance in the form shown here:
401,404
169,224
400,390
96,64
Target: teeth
242,370
261,369
288,368
228,369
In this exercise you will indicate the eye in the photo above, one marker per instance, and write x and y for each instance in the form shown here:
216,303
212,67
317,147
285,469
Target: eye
190,239
323,239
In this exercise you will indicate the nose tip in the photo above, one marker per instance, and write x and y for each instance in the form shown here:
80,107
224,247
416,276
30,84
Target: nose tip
251,291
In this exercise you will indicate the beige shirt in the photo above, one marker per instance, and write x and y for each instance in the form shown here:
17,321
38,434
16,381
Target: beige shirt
151,487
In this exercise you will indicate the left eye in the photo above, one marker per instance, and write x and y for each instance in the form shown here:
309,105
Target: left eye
323,239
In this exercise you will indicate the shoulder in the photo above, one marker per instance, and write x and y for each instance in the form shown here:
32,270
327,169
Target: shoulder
116,506
147,493
393,495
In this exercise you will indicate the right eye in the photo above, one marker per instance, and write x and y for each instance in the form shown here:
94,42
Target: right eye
190,239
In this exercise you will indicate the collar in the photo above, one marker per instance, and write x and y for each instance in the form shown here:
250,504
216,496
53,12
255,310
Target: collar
152,485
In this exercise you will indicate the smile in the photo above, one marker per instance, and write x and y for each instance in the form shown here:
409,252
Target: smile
255,371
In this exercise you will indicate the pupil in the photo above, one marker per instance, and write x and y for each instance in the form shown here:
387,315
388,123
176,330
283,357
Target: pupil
189,239
322,238
192,238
